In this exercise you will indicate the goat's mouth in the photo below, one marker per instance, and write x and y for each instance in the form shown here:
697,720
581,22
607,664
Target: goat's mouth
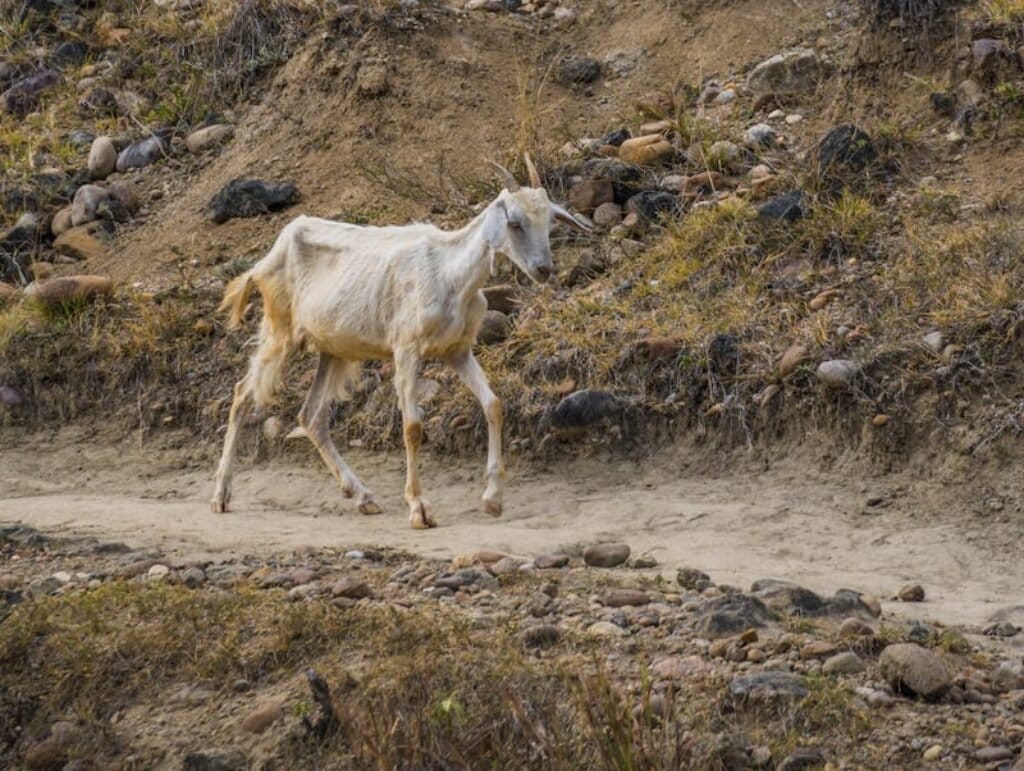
541,273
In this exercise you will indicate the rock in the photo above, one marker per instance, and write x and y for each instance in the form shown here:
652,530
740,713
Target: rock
69,53
872,604
582,409
817,649
125,193
854,627
767,688
102,158
732,614
793,357
98,102
760,134
987,54
614,138
372,80
507,566
785,207
8,294
551,561
193,577
606,629
57,291
606,555
61,222
838,373
587,195
911,593
620,598
350,587
495,328
803,758
724,96
80,244
216,760
262,718
646,150
935,341
791,72
932,753
47,755
209,136
85,203
588,265
915,671
251,198
467,577
142,153
678,667
608,215
845,147
643,563
705,182
22,97
993,754
541,636
157,573
654,204
578,70
501,298
724,155
846,663
692,579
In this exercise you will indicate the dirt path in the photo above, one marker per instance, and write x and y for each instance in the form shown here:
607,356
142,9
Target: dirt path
786,523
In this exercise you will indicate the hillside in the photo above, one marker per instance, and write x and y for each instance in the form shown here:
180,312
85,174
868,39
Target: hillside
803,296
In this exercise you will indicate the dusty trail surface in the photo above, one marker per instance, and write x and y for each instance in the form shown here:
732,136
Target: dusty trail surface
788,522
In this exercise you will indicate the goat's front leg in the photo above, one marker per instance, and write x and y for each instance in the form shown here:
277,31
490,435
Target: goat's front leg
472,374
406,366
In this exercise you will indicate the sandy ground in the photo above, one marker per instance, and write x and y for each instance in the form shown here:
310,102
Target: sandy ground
789,522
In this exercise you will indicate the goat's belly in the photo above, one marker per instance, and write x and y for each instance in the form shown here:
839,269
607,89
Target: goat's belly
348,346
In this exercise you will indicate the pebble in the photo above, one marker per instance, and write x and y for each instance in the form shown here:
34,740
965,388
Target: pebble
932,753
794,118
606,555
551,561
606,629
193,577
351,587
760,134
619,598
262,718
838,373
541,636
911,593
102,157
157,573
846,663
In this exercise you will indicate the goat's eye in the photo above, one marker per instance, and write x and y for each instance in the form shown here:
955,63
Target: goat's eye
515,225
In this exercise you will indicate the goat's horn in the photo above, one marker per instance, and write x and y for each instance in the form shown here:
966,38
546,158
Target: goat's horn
532,170
507,178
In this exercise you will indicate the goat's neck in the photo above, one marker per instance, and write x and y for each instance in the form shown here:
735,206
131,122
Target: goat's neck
472,257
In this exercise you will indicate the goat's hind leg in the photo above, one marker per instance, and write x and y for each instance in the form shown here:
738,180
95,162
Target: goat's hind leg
331,381
240,407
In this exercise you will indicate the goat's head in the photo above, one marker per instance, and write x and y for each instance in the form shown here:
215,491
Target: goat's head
519,224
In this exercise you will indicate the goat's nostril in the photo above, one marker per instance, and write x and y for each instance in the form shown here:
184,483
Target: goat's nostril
544,271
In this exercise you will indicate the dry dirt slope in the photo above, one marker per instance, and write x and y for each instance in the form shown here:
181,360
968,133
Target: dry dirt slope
464,91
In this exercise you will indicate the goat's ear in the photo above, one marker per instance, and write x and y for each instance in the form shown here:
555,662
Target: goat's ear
494,226
562,214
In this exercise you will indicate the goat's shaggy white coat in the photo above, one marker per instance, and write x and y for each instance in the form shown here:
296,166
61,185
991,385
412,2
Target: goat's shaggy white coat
408,293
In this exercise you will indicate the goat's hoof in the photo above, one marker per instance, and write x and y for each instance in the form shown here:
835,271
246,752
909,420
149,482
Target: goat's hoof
369,507
219,504
492,507
419,519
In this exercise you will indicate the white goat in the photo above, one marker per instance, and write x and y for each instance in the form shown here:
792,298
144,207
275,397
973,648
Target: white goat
408,293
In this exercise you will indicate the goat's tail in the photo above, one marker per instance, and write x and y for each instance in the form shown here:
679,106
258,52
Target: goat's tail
236,297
